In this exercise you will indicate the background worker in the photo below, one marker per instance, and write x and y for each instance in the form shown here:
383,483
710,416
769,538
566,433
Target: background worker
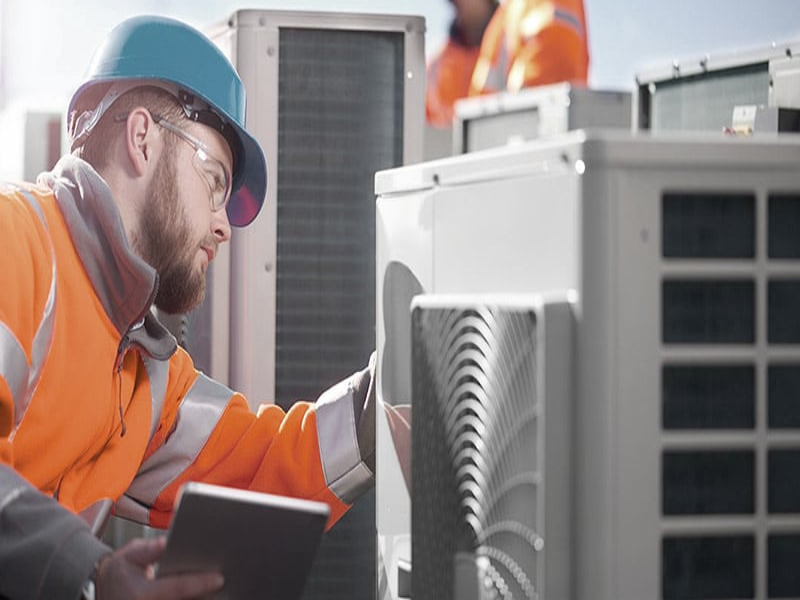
530,43
449,72
98,404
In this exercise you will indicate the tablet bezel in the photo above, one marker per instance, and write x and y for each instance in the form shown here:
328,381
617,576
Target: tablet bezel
263,544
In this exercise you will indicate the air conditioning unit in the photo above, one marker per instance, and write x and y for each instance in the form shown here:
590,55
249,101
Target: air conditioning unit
332,98
512,117
701,94
683,255
290,308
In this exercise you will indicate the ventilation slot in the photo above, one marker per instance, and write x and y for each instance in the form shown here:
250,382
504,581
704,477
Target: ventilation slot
706,225
697,396
720,567
784,223
708,311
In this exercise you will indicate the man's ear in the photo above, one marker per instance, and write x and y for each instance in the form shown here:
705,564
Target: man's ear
140,139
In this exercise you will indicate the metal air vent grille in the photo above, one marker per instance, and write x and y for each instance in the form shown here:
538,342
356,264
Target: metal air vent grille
730,381
477,454
340,119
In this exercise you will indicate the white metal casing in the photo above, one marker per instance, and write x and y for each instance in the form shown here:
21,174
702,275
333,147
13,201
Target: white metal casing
495,120
583,212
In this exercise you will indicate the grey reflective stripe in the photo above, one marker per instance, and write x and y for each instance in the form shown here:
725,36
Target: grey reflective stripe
157,373
128,508
570,19
13,365
197,416
43,337
496,77
345,473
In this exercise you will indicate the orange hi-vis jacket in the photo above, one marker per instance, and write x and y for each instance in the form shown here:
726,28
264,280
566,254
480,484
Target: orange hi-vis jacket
448,75
97,401
532,42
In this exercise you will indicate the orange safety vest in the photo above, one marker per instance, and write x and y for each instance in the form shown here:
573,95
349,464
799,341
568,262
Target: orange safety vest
97,401
448,77
530,43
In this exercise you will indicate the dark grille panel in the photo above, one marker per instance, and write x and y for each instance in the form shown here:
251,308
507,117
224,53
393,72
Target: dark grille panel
708,483
783,396
708,396
340,120
784,223
783,484
475,493
783,552
708,312
719,394
783,316
695,568
708,225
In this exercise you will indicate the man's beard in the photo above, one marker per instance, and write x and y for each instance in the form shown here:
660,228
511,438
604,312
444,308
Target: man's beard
166,243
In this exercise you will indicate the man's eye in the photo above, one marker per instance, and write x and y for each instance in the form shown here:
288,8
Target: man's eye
215,181
219,184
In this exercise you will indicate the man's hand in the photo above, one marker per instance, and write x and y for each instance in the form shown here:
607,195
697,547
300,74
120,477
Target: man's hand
129,574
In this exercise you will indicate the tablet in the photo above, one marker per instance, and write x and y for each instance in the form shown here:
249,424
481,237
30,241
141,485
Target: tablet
264,545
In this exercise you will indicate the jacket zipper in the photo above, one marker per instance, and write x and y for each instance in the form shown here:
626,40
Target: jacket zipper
122,349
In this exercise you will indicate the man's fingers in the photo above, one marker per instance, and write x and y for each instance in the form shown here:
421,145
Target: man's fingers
186,586
143,552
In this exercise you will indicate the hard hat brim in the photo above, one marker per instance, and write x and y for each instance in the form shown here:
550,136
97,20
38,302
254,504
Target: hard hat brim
248,196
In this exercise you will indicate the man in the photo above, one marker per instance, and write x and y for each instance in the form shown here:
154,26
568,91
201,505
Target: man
530,43
449,72
97,404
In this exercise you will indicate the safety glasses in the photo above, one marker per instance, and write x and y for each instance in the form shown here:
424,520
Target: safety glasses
210,169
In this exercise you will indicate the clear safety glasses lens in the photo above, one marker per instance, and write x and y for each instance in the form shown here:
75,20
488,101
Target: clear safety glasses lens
215,175
209,168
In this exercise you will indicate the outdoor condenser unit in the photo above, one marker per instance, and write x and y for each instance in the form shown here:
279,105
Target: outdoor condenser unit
290,308
701,94
512,117
683,254
332,97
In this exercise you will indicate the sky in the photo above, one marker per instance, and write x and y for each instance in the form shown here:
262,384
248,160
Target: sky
46,45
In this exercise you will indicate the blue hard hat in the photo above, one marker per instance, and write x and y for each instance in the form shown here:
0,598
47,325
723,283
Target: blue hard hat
185,62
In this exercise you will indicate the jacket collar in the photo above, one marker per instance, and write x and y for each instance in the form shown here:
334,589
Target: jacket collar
125,284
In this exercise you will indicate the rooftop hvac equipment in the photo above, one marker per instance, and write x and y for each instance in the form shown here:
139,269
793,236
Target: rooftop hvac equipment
683,254
701,94
507,118
332,98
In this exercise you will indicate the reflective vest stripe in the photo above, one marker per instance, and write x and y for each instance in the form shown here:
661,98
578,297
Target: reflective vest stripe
197,416
345,473
570,19
13,365
21,377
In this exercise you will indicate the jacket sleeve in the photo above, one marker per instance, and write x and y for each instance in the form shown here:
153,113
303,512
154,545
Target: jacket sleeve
45,550
320,451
